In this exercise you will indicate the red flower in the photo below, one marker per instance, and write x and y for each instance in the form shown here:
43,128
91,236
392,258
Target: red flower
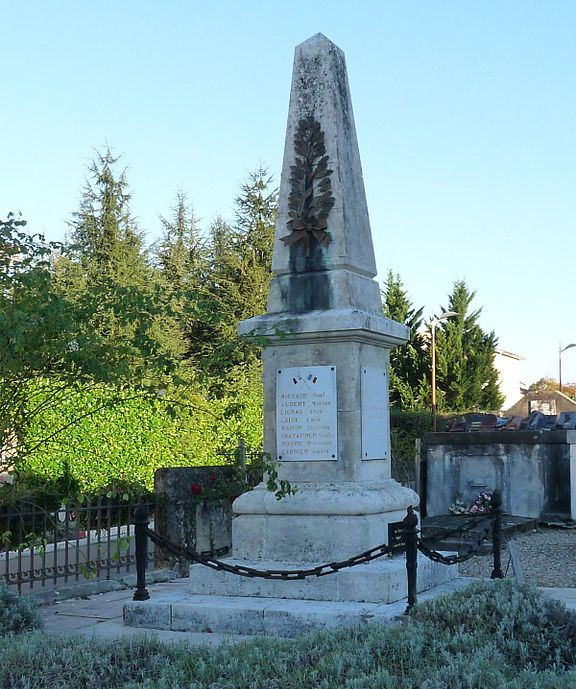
196,489
212,477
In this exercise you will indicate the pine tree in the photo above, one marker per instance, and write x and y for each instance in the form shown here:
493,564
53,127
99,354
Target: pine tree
466,376
239,273
409,363
180,253
253,243
105,272
106,241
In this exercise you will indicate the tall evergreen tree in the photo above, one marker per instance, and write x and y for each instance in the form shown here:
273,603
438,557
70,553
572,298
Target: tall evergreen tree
240,258
180,253
182,263
106,241
466,376
409,363
106,272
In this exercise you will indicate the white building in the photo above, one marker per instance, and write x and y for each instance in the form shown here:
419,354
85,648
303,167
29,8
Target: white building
511,376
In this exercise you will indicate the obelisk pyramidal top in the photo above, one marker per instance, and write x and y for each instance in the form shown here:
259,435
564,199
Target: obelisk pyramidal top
323,252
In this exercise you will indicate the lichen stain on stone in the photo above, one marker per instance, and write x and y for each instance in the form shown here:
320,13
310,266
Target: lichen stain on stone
308,282
311,84
308,292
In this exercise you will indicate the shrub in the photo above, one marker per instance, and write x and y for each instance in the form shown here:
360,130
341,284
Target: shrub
452,643
405,427
17,614
100,437
530,629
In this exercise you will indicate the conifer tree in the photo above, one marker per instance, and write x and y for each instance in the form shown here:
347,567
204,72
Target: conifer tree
409,363
240,258
466,375
106,273
180,253
107,244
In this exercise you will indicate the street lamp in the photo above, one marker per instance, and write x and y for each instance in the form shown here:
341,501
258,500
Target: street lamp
560,350
433,324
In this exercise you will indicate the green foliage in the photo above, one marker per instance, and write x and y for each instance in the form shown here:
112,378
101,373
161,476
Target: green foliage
105,242
409,363
467,379
91,312
106,275
405,428
530,629
237,279
181,258
180,253
41,332
100,436
17,614
443,647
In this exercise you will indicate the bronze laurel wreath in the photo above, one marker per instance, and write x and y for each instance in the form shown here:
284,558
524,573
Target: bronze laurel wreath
310,200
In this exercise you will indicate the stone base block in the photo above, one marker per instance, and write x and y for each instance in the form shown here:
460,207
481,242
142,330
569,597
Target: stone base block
263,616
315,538
380,581
321,522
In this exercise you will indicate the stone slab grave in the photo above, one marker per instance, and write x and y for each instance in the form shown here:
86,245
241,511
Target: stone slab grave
325,369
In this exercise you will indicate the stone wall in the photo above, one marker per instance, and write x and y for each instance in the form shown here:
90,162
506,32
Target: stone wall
192,523
534,470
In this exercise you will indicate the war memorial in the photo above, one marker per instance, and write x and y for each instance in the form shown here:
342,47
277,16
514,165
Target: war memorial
326,413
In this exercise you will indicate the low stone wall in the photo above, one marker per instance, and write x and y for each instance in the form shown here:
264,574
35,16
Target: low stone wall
192,523
534,470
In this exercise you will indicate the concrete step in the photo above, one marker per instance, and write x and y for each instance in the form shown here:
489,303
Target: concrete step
263,616
380,581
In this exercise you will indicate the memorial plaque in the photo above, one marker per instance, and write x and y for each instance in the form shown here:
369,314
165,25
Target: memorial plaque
375,414
306,414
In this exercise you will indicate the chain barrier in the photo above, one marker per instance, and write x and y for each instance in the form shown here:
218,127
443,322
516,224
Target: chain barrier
469,525
436,556
281,574
413,544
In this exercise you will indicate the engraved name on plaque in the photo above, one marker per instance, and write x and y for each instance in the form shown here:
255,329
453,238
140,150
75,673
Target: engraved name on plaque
375,414
306,414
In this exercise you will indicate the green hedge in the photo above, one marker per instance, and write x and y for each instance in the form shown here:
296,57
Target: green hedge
97,438
405,428
17,614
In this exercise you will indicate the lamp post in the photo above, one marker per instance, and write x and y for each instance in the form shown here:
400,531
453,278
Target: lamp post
560,350
433,324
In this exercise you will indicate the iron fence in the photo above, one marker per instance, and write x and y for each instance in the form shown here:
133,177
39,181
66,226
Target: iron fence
77,541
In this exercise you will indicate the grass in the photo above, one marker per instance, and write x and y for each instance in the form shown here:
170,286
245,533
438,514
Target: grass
488,636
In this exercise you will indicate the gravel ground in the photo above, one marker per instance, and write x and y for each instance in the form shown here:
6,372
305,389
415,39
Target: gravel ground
547,557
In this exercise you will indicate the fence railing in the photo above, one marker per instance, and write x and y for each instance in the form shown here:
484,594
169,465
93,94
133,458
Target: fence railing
42,547
407,531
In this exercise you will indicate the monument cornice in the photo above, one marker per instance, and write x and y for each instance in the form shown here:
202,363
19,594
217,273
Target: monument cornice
335,325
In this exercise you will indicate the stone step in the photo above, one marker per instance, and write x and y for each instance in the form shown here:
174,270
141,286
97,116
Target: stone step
263,616
380,581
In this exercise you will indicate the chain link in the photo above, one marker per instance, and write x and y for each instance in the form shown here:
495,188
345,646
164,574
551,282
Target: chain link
210,558
281,574
468,525
435,556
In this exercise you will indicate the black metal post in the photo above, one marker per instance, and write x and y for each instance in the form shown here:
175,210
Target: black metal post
410,523
141,538
496,504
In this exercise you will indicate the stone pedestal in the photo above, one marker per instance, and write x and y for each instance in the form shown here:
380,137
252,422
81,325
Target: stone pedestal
343,505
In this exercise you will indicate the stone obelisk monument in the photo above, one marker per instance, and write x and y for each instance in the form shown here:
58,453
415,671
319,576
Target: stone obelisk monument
326,413
326,416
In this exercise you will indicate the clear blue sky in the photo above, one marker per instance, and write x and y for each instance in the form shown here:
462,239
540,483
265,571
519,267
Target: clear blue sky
465,113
